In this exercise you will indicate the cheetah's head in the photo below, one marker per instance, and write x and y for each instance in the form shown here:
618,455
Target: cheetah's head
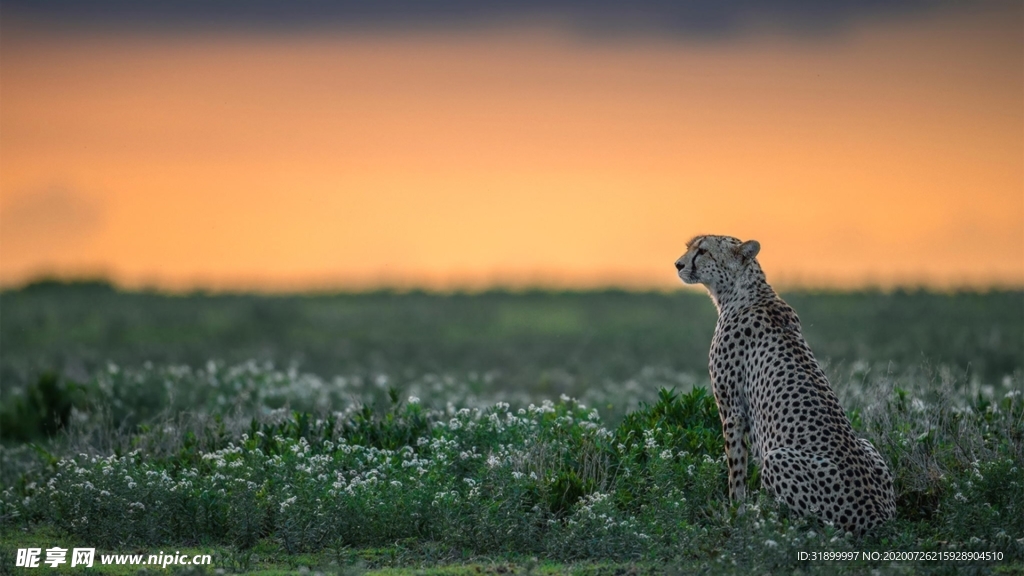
715,261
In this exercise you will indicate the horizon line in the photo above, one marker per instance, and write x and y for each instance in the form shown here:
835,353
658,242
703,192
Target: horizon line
103,282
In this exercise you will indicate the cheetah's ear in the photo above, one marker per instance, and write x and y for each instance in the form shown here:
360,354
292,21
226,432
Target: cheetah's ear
748,250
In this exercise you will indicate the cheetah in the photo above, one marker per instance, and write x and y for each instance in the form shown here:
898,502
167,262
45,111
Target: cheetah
770,390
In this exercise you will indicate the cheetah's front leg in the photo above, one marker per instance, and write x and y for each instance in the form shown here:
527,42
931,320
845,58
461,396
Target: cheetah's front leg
734,427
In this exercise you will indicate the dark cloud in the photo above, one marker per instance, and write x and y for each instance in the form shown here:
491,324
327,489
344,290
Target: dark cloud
48,221
597,18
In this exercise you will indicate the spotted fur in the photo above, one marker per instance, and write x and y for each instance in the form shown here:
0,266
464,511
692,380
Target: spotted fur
773,397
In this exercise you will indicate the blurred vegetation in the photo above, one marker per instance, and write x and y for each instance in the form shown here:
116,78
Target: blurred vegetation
417,430
525,340
42,410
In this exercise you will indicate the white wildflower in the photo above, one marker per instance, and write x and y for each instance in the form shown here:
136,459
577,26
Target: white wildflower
286,503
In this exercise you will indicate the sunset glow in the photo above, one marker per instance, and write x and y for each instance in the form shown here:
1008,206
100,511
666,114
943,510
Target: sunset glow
888,153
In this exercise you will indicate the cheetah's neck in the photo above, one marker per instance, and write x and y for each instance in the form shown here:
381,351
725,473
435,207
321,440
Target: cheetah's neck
750,286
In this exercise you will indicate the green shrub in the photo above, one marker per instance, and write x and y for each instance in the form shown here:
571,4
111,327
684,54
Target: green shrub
42,410
547,480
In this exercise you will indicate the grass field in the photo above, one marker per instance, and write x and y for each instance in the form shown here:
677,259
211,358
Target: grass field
491,433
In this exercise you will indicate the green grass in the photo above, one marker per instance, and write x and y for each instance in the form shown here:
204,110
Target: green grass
429,434
545,343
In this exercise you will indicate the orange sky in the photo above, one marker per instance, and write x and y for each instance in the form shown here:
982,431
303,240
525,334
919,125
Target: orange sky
891,153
